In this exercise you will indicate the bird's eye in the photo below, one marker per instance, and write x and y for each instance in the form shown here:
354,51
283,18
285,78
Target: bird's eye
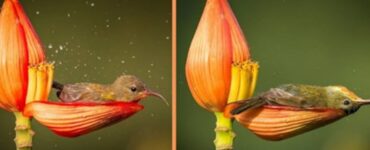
346,102
133,89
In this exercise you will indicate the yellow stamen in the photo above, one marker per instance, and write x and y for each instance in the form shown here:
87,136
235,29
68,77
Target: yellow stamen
243,80
40,79
31,89
235,82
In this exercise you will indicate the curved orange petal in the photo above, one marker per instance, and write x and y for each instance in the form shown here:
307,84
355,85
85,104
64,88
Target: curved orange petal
36,53
281,122
19,48
75,119
239,44
217,43
209,59
13,59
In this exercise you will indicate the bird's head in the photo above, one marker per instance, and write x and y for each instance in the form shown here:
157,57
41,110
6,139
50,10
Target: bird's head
131,88
343,98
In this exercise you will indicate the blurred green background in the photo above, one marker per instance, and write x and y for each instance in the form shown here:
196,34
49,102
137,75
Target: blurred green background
306,41
96,41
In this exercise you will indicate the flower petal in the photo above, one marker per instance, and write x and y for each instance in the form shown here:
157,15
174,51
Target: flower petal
281,122
36,52
209,59
13,59
239,43
217,43
75,119
19,48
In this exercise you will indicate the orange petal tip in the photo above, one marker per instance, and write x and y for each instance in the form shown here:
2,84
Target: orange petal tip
75,119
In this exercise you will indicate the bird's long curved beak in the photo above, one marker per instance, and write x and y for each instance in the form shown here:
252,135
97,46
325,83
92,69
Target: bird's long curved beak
363,101
152,93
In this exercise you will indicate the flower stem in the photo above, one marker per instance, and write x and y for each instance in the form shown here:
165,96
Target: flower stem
23,132
224,134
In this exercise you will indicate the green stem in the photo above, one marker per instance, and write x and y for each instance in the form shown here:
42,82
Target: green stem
23,132
224,134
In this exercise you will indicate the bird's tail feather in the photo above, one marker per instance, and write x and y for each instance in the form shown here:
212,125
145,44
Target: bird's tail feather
57,85
247,104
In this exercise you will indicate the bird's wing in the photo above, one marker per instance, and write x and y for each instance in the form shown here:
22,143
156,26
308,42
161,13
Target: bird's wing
275,96
76,92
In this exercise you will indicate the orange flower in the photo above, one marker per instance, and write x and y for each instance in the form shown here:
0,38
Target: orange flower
19,48
75,119
26,80
217,44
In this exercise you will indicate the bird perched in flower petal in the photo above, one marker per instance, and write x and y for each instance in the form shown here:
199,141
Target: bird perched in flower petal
306,97
125,88
292,109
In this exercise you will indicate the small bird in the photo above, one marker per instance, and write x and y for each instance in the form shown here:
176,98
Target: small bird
127,88
305,97
292,109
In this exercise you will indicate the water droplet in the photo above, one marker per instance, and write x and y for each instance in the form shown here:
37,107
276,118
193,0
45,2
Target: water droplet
133,57
167,37
152,65
85,75
50,46
92,4
56,51
149,71
68,15
122,61
99,138
118,18
60,47
99,58
107,26
37,12
85,65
